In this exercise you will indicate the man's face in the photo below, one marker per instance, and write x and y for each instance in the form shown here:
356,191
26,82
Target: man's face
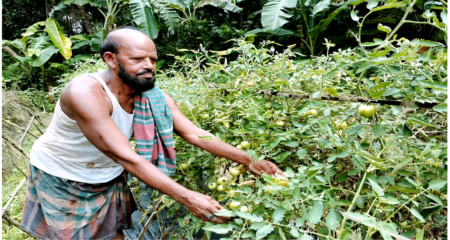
136,60
133,81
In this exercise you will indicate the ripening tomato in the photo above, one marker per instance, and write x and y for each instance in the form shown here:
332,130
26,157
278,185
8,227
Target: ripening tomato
184,166
235,171
245,144
212,186
243,209
234,205
222,181
367,111
221,188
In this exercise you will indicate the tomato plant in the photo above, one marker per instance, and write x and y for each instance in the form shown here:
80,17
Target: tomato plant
377,176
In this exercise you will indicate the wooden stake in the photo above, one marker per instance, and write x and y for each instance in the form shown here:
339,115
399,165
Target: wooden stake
353,99
16,224
26,131
15,145
13,195
155,211
18,127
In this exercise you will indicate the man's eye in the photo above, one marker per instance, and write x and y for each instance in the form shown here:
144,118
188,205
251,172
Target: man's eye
137,58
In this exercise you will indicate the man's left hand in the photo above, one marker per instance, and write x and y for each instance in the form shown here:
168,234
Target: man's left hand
264,166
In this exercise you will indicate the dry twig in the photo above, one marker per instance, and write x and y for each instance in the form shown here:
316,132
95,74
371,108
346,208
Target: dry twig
13,195
26,131
15,223
155,211
18,127
353,99
16,146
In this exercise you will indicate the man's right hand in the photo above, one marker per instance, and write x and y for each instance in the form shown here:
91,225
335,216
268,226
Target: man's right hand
202,206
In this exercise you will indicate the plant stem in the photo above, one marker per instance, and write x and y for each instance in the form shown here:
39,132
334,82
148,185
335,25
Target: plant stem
341,230
411,5
427,23
359,82
429,78
243,227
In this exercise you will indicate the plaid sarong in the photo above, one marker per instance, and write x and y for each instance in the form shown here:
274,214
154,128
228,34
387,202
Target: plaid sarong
153,128
62,209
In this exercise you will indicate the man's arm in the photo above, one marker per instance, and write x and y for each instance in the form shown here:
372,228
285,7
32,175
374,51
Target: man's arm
85,101
191,133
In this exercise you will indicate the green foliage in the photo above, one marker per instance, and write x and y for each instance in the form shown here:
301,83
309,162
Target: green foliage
393,175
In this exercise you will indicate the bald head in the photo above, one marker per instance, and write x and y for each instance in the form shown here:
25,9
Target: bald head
123,38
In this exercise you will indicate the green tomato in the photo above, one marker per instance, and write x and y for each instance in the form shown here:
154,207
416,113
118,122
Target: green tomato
234,205
205,116
221,188
367,111
268,105
250,84
235,171
212,186
341,125
239,147
184,166
269,189
311,112
280,123
222,181
245,144
243,209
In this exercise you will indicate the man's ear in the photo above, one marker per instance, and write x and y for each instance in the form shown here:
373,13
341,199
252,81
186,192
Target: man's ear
110,59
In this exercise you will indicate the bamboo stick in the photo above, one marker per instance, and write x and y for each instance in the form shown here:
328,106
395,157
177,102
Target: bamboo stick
30,112
18,127
15,145
13,195
155,211
16,224
353,99
26,131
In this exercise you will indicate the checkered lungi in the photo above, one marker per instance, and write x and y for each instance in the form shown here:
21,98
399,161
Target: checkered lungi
62,209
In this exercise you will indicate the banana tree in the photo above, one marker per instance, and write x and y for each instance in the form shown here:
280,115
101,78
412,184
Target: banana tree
176,12
277,13
39,45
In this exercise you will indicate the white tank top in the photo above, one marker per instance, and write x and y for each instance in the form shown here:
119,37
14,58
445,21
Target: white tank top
65,152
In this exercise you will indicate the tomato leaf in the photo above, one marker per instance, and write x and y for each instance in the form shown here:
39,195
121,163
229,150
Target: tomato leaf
218,228
250,216
358,217
290,143
262,232
440,107
377,130
437,184
355,129
305,237
416,214
278,214
316,212
376,188
294,232
331,220
301,153
342,154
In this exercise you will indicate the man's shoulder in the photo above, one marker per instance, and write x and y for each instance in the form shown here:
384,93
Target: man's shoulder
83,84
84,91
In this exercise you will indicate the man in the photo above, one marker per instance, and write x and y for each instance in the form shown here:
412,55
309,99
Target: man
76,188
